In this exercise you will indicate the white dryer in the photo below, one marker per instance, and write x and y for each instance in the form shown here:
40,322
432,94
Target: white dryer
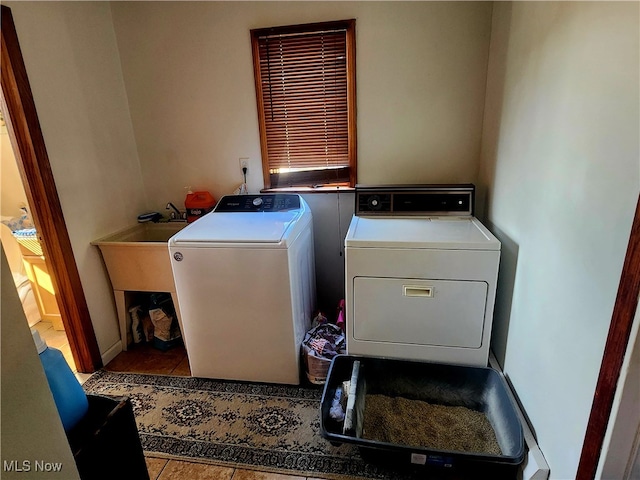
421,275
245,280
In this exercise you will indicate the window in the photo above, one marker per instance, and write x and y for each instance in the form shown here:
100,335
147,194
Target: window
305,87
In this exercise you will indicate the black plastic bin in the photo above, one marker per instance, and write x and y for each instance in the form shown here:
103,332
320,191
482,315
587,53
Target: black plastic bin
477,388
105,443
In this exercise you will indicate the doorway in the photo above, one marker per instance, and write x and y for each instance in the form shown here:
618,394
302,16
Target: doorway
31,157
28,265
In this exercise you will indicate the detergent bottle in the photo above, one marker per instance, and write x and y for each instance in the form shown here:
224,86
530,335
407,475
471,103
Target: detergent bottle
198,204
70,398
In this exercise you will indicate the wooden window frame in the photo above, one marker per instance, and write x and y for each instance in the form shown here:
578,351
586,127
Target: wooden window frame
308,179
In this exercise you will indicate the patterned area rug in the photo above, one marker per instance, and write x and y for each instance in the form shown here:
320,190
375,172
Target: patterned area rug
269,427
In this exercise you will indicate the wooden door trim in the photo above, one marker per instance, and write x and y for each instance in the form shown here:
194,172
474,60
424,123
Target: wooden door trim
39,185
624,311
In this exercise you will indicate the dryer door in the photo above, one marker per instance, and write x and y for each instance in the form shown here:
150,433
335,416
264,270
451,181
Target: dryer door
419,312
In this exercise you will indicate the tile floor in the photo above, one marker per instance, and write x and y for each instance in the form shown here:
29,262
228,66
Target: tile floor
58,339
143,358
163,469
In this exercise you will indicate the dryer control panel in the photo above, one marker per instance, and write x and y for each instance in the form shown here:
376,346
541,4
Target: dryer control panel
424,200
275,202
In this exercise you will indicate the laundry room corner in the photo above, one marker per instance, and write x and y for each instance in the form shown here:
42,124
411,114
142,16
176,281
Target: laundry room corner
332,213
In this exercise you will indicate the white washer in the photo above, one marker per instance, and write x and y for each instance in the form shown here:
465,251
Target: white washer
245,280
421,275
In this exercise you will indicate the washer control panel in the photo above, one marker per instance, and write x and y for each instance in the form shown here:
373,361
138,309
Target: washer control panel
440,200
268,202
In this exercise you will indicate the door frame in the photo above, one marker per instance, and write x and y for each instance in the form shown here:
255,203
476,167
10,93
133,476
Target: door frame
624,312
39,185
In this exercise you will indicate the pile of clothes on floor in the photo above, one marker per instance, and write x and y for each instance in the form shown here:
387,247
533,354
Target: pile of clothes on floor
321,344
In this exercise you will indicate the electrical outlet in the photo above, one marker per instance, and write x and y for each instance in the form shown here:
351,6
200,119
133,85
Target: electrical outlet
244,168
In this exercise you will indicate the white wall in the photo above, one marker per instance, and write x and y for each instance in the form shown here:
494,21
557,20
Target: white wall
12,195
560,169
421,70
28,408
71,57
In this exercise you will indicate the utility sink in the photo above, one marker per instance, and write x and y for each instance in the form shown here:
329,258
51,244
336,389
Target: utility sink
137,260
143,232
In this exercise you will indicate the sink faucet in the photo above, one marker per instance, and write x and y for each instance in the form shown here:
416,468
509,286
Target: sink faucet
176,213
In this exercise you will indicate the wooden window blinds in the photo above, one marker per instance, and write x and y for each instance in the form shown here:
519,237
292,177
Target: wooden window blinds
305,87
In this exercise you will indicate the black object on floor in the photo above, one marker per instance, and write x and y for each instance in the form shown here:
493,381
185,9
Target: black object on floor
105,443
